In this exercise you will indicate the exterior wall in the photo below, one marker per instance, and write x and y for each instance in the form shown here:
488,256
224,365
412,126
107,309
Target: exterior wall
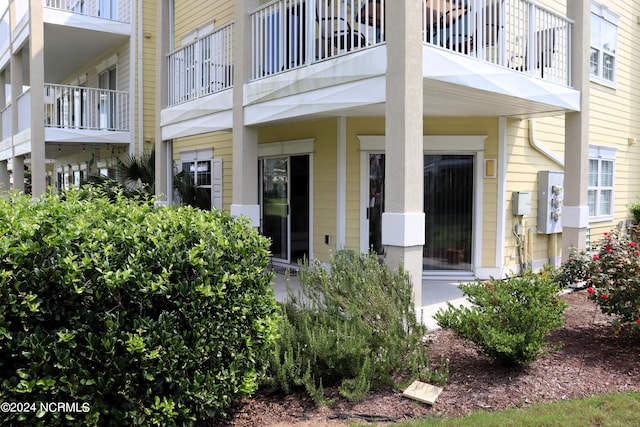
221,144
148,55
190,15
324,176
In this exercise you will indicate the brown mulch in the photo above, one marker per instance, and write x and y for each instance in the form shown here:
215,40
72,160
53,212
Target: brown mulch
592,360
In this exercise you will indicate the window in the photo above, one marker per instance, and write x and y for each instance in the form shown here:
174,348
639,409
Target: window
200,181
600,185
604,43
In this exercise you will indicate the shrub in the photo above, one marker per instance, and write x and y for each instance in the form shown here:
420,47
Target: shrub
634,210
575,271
614,278
508,319
353,326
151,316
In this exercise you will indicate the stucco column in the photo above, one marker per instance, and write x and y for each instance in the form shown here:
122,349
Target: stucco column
245,139
36,81
575,218
163,149
4,176
17,171
403,223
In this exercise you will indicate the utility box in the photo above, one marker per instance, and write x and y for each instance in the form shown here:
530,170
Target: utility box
521,203
550,201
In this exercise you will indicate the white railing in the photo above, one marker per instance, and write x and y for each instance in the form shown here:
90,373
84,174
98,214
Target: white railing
107,9
24,111
78,107
202,67
518,34
5,31
286,34
5,116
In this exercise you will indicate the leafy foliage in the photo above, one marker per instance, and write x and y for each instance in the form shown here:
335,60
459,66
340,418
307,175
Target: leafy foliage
508,319
354,326
614,278
152,316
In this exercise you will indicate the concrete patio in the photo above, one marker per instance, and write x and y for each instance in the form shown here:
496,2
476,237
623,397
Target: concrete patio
435,295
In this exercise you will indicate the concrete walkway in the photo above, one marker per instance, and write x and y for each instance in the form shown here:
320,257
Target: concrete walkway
435,295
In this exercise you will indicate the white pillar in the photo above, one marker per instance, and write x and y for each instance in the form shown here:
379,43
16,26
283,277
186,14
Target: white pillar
16,90
4,176
245,139
36,82
575,218
403,223
163,149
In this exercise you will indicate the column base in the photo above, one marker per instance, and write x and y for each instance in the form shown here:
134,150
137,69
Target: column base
251,212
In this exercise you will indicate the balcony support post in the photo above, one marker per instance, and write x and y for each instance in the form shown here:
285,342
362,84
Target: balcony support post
17,171
36,81
4,176
403,222
163,149
245,138
575,218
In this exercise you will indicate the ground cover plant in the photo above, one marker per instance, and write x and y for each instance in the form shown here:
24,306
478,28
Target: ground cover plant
140,315
352,325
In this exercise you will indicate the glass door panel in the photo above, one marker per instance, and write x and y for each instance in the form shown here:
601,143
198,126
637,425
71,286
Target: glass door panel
448,207
376,201
275,213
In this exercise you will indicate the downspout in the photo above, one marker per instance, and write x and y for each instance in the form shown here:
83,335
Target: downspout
553,238
140,84
541,148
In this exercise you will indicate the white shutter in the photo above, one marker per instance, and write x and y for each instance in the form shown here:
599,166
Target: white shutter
216,183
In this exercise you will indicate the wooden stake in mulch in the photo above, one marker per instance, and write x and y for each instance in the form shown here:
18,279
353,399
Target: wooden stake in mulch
422,392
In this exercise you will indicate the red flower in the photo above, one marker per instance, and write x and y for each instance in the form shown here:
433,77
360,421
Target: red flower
599,270
606,234
590,291
596,257
636,253
605,296
638,321
632,244
608,248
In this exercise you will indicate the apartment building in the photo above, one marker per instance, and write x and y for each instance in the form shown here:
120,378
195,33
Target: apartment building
463,138
77,83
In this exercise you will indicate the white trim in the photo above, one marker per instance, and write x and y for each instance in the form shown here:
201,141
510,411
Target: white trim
501,214
441,143
286,148
341,178
575,216
107,63
194,155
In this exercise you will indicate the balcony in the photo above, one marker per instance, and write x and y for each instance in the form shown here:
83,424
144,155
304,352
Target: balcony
105,9
202,67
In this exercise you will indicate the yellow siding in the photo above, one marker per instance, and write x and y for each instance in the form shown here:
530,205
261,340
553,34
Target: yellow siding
221,143
324,175
190,15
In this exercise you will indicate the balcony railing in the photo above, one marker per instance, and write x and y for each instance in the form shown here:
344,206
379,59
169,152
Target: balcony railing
518,34
202,67
24,111
4,31
107,9
75,107
5,116
289,33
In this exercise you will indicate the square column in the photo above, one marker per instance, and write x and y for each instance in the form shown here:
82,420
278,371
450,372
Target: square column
245,139
17,171
36,82
163,149
403,224
575,218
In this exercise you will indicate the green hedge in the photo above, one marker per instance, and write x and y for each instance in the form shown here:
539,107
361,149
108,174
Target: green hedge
139,315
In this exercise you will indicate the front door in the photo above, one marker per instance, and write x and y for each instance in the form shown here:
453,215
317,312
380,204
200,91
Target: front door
285,206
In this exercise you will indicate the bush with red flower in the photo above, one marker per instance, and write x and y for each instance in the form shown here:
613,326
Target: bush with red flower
612,277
